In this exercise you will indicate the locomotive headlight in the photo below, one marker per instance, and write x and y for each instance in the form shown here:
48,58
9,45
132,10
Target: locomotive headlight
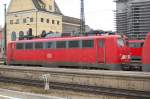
129,56
125,57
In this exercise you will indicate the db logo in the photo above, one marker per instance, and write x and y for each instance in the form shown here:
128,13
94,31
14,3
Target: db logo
49,55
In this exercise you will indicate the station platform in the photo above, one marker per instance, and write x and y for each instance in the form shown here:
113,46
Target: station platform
139,81
9,94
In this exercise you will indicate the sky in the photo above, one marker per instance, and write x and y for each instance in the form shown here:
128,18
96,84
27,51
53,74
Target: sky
99,14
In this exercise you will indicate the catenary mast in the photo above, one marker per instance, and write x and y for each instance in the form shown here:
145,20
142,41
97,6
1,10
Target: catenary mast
82,18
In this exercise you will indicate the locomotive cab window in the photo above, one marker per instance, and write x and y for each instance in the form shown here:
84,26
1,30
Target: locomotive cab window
120,42
61,44
132,45
136,45
38,45
87,43
74,44
142,44
19,46
29,46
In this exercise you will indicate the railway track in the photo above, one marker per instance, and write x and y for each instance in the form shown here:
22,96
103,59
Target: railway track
82,88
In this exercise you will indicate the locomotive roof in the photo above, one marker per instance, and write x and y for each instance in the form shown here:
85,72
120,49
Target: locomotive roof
67,38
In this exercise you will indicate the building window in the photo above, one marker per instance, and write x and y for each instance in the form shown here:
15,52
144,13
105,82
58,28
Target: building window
43,34
21,35
53,21
11,21
58,22
31,19
47,20
24,20
13,36
50,7
29,34
43,6
42,19
17,21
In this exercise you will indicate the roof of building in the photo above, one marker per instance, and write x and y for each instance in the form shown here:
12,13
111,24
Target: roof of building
57,10
70,20
37,5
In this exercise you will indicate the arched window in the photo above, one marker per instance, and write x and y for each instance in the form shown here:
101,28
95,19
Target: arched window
13,36
30,32
51,32
21,35
43,33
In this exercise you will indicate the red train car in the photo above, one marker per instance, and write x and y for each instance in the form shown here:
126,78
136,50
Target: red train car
106,52
136,47
146,54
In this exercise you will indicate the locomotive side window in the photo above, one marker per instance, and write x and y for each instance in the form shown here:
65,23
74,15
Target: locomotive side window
50,45
19,46
132,45
87,43
136,45
74,44
61,44
101,43
29,46
38,45
120,42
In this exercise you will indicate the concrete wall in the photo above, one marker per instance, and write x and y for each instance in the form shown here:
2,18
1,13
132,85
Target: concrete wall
139,81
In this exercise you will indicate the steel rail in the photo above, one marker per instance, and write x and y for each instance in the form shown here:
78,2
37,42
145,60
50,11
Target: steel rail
81,88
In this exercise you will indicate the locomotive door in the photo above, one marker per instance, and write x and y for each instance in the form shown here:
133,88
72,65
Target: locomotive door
101,51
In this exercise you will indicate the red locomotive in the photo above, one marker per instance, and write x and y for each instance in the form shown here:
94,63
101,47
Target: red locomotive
146,54
105,52
136,47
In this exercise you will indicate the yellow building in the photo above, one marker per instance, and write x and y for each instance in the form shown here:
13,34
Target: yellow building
32,17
